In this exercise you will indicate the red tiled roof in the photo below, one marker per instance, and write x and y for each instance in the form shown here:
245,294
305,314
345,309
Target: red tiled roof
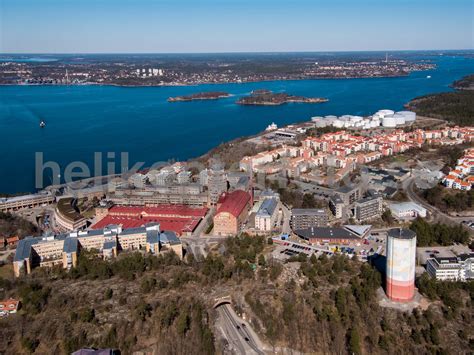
12,239
9,305
234,202
177,225
176,218
163,210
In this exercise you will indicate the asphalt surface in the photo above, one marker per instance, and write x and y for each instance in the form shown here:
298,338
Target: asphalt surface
436,213
241,338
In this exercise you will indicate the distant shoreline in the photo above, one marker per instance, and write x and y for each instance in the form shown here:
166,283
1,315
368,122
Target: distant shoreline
213,83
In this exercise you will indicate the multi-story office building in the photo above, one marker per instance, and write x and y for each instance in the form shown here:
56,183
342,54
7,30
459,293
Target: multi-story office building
267,215
183,177
27,201
64,249
349,194
336,205
302,218
187,194
368,208
217,183
460,268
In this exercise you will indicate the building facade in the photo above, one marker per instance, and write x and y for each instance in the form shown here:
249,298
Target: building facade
302,218
336,205
232,211
267,215
407,210
368,208
16,203
460,268
64,249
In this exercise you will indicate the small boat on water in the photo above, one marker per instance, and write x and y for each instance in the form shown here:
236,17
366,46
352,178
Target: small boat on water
42,124
428,77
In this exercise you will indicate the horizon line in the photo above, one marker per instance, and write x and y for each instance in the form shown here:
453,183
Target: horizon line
243,52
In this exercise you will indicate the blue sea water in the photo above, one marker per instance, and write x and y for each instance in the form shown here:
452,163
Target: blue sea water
82,120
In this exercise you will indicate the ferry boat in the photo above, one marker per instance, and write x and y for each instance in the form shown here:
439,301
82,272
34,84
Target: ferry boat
271,127
42,124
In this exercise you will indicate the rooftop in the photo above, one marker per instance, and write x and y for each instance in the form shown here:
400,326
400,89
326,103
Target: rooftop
401,233
308,212
326,233
234,202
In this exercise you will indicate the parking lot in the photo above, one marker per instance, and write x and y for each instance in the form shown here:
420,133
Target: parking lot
374,243
425,253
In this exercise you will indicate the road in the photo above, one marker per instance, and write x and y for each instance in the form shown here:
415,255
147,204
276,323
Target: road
436,213
198,245
286,215
205,223
240,336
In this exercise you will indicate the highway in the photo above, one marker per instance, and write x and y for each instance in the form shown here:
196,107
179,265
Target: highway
238,333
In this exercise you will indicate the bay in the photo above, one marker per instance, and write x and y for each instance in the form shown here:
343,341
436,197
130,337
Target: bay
85,119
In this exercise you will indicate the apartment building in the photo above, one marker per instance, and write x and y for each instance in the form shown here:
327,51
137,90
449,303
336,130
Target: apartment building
302,218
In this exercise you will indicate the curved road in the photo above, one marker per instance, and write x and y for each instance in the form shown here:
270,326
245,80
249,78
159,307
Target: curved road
436,213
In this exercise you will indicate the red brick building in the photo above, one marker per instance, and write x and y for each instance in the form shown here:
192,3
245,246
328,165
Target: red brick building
232,210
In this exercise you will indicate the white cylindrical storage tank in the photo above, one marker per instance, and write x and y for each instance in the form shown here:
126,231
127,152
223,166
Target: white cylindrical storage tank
338,123
316,118
330,117
322,123
345,117
399,119
389,121
383,113
410,116
401,256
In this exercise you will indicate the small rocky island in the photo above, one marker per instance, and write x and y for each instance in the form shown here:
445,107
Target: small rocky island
214,95
267,97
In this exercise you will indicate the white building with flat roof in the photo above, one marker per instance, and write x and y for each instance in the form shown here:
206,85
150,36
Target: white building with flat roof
407,210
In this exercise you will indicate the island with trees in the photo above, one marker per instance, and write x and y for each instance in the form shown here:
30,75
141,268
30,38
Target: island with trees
213,95
269,98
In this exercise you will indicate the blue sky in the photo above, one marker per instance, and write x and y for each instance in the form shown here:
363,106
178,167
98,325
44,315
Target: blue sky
157,26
